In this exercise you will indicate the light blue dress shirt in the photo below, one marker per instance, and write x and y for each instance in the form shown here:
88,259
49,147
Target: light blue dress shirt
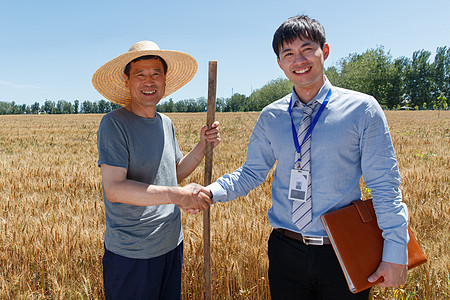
350,139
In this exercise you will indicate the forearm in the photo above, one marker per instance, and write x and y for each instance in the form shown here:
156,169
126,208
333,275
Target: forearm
237,184
190,161
189,197
140,194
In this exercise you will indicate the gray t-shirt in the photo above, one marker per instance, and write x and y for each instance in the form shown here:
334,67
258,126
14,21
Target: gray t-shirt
148,149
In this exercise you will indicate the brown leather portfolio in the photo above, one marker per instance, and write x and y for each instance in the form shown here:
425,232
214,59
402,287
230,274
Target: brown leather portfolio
357,241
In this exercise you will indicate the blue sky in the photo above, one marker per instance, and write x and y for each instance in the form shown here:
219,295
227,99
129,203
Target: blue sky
50,49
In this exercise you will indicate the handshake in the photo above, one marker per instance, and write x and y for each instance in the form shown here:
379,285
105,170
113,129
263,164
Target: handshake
192,198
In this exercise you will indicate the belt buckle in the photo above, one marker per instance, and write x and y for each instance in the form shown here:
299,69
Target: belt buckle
313,240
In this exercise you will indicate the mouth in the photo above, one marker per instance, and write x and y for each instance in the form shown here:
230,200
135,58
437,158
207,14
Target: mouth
148,92
302,71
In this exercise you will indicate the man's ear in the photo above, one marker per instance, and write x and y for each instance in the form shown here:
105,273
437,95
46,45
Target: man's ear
326,51
125,77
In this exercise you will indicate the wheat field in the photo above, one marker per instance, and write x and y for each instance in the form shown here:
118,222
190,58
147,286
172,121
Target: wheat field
52,214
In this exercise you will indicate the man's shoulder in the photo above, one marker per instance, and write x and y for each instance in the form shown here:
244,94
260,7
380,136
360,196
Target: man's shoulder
354,102
118,113
342,93
278,105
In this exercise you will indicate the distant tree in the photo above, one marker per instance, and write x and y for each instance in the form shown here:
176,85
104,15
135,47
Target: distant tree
181,106
35,108
272,91
190,105
238,102
59,107
76,106
170,107
220,104
160,107
64,107
202,104
49,107
440,72
394,89
15,109
371,72
4,108
418,80
11,108
333,76
86,107
104,106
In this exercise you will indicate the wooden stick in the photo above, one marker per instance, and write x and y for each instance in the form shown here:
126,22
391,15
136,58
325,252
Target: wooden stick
210,115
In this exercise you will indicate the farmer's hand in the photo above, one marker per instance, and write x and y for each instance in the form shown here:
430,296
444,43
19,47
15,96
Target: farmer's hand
190,198
394,275
210,135
202,190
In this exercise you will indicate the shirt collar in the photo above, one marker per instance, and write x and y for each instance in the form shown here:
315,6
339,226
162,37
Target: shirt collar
319,97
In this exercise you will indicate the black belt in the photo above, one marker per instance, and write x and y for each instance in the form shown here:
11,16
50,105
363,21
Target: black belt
307,240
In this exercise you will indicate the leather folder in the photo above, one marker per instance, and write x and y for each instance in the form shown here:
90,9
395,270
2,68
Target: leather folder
358,244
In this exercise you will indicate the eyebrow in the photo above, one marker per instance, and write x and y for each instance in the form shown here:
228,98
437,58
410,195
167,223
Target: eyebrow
153,69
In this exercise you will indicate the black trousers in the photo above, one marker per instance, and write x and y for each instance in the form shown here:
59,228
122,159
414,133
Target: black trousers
298,271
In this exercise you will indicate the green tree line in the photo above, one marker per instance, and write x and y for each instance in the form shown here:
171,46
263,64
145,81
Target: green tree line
414,82
59,107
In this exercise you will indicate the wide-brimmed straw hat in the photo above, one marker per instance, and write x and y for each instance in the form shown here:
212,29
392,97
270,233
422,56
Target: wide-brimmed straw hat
108,79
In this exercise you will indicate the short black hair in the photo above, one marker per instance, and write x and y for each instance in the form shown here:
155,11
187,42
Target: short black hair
144,57
298,27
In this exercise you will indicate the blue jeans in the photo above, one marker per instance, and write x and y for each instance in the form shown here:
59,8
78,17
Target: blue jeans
154,278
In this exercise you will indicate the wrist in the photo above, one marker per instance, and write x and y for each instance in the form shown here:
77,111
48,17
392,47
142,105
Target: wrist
199,151
173,195
201,145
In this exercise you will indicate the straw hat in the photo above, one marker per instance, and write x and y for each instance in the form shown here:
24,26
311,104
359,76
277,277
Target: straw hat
108,79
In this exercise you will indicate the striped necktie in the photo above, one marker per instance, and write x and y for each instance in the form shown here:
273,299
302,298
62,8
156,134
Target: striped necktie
302,211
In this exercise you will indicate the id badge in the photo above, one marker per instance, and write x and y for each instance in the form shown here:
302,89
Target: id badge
298,185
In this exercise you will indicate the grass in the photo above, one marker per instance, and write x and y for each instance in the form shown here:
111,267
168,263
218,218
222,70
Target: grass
52,214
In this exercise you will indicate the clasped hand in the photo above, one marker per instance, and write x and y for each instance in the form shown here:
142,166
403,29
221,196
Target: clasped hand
194,198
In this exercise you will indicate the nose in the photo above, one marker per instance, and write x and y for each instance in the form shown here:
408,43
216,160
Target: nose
299,57
148,80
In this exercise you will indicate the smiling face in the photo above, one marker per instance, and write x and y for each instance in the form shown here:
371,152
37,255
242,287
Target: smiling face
146,83
303,61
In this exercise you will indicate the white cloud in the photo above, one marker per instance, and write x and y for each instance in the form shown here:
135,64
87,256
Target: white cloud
19,85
